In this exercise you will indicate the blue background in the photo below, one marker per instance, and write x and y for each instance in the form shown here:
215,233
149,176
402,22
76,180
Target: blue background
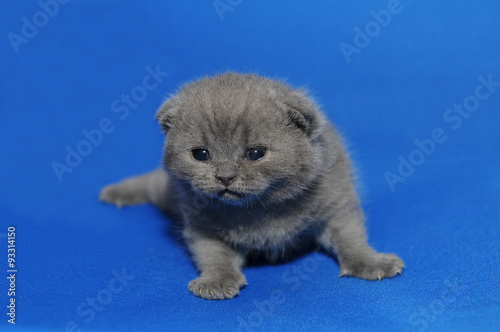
443,220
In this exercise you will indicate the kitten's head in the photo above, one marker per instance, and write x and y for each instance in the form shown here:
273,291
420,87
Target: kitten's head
240,137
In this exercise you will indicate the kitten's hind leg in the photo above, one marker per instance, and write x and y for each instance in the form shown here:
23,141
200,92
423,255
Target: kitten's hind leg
345,235
150,187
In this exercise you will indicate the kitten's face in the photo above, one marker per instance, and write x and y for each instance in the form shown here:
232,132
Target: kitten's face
240,138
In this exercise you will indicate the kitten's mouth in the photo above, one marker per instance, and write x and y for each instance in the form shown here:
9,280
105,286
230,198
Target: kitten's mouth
229,194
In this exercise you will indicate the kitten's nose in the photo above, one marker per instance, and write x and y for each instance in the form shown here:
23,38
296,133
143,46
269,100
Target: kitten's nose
226,180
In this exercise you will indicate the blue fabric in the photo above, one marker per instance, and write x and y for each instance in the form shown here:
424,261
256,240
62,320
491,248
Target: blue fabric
412,85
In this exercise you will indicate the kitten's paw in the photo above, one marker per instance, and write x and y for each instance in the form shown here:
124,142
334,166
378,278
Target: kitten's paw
217,287
373,267
121,195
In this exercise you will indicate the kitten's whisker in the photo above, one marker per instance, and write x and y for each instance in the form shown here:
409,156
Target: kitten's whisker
261,202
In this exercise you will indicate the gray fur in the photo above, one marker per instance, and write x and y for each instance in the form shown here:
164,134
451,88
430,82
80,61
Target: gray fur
301,190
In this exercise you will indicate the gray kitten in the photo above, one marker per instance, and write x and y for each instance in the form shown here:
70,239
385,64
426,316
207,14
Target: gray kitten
252,166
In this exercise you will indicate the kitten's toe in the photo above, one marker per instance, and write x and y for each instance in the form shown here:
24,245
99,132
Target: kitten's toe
120,195
217,287
373,267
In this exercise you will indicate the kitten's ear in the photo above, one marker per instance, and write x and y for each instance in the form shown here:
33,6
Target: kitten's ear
166,114
303,114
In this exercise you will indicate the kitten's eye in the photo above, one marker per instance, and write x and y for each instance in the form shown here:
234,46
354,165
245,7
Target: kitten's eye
200,154
255,153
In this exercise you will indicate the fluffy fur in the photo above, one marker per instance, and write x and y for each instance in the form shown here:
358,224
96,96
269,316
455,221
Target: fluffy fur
299,192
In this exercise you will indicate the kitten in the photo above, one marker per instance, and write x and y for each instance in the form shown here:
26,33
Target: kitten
252,166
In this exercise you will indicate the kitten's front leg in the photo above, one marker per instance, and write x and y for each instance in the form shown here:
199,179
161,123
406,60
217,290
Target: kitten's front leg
346,236
220,266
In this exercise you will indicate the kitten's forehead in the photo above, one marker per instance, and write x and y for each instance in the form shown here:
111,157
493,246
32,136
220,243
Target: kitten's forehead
232,93
234,126
231,108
